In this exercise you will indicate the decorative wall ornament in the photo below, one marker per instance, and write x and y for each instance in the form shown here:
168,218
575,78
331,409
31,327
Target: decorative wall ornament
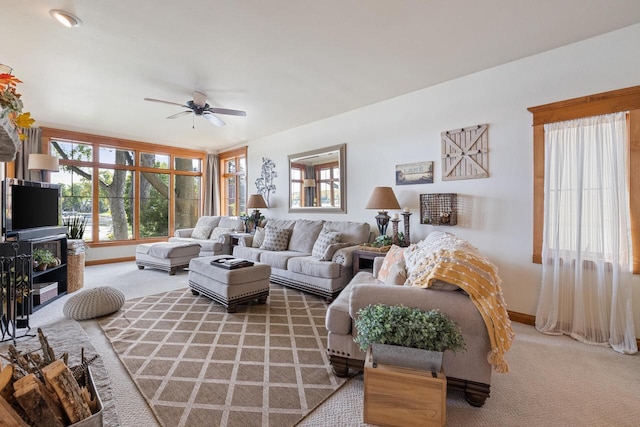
414,173
265,184
465,153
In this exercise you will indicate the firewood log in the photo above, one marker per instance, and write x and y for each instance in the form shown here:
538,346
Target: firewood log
59,376
38,403
9,417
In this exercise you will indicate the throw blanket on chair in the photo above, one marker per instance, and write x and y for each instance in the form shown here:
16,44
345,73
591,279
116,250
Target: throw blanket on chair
445,257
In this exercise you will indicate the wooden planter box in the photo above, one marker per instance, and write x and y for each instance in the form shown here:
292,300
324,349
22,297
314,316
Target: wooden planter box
396,396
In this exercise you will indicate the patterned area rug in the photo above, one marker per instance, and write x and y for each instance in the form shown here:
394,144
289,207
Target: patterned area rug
197,365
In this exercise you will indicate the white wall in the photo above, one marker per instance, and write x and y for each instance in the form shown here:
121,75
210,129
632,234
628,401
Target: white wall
497,211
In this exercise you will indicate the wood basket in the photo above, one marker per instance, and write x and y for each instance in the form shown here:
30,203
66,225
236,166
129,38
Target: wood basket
368,247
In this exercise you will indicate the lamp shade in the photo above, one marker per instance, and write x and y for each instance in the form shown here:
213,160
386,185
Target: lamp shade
256,201
383,198
309,182
43,162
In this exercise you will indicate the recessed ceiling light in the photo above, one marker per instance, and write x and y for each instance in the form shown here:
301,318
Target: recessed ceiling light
65,18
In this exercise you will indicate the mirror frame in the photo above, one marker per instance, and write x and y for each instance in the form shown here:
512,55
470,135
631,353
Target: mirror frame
342,164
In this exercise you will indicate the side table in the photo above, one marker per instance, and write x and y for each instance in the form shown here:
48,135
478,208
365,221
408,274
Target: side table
360,254
235,237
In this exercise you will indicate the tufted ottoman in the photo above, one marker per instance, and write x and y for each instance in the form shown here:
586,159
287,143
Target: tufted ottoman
92,303
229,287
167,256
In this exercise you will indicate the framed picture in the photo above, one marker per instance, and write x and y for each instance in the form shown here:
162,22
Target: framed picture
414,173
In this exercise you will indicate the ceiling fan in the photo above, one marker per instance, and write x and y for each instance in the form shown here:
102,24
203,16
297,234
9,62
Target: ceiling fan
199,107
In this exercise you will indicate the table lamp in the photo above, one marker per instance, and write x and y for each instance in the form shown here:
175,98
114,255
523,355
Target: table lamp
382,199
43,162
256,201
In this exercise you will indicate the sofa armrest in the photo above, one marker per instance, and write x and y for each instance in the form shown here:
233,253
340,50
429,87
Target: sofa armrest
183,232
455,304
245,241
344,256
377,265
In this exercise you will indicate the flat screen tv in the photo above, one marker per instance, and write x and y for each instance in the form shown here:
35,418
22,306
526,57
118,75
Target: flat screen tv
28,205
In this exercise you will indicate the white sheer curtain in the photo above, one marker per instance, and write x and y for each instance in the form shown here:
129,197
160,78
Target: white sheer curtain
586,252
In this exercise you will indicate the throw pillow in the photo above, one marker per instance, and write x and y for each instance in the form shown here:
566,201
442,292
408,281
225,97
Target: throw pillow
258,238
397,275
394,256
325,238
218,233
276,239
201,232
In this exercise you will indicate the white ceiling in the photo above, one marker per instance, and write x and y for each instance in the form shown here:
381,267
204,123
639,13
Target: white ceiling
285,62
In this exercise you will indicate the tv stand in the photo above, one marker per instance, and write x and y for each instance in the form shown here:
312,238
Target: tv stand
36,233
42,294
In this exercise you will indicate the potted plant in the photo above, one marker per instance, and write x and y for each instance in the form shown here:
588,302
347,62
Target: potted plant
407,337
76,226
44,258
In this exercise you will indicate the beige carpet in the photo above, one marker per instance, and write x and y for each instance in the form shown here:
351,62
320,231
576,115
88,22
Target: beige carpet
195,364
553,381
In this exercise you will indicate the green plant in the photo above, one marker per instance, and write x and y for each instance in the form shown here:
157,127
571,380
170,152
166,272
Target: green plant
382,240
43,256
407,327
75,225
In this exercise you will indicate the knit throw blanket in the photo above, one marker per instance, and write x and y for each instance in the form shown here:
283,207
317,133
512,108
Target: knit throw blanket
445,257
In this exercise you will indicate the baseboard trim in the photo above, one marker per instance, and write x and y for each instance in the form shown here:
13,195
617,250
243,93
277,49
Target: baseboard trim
528,319
110,260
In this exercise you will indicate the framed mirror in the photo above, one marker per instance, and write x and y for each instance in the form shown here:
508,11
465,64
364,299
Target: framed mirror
317,180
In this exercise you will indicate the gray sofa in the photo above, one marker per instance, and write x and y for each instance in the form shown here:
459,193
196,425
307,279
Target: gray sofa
212,233
297,267
467,370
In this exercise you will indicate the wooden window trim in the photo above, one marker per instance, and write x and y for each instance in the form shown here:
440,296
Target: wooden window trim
627,99
222,157
103,141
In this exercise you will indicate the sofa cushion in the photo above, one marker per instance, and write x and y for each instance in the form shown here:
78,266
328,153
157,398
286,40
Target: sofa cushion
281,223
279,259
394,256
252,254
205,245
218,233
397,275
304,234
258,237
312,266
275,239
324,240
211,221
352,232
201,232
232,222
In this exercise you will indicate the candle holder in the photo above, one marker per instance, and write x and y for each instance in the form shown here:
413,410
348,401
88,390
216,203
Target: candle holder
407,238
395,222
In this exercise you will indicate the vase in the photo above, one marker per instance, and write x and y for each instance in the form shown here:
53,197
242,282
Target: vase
407,357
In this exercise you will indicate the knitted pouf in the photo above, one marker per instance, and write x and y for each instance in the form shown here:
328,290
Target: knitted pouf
93,303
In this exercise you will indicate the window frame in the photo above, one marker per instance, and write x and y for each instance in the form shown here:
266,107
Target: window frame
236,154
627,99
97,141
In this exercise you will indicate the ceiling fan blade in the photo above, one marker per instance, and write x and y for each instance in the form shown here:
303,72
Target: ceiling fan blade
165,102
226,111
213,119
180,114
199,98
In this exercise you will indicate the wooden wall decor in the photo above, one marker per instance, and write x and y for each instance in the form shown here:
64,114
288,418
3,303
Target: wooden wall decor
465,153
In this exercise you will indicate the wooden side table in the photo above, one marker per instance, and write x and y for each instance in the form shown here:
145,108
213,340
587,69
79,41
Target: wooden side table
360,254
237,236
395,396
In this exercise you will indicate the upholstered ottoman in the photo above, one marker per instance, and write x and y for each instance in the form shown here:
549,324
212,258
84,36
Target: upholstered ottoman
229,287
167,256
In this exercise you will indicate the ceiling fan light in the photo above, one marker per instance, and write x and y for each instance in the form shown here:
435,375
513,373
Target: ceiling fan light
65,18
